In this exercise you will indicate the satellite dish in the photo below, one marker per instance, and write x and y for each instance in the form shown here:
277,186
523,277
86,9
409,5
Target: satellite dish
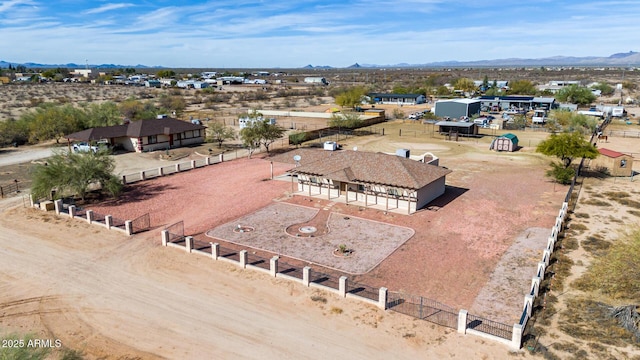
355,148
297,157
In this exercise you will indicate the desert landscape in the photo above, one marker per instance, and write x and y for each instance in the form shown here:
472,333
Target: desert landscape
100,291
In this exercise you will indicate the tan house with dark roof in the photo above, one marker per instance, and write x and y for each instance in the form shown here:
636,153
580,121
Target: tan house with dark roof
145,135
614,162
387,182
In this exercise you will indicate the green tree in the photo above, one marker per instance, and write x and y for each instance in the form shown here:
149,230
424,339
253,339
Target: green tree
165,74
351,97
297,137
443,91
345,120
172,103
604,88
465,84
571,121
259,132
250,139
219,133
133,109
14,132
576,95
71,174
102,114
522,87
567,146
50,121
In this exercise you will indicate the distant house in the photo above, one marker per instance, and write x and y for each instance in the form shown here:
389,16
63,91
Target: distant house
399,99
457,108
145,135
613,162
246,121
316,80
383,181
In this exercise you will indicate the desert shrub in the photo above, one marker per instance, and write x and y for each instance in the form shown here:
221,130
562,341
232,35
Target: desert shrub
616,273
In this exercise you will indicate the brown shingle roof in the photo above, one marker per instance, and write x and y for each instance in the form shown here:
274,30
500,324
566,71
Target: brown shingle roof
366,167
138,128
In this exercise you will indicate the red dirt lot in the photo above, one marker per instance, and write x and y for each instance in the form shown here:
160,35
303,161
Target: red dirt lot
457,244
203,197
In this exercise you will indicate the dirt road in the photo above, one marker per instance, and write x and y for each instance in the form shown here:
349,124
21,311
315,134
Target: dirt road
115,296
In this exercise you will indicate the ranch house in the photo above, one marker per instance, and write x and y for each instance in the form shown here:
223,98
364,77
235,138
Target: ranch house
145,135
382,181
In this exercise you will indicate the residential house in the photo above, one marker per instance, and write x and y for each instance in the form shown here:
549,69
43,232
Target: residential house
378,180
145,135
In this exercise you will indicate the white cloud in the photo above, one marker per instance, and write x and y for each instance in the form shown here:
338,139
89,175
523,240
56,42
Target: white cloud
108,7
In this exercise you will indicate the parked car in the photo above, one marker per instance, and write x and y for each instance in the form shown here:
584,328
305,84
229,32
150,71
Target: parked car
84,147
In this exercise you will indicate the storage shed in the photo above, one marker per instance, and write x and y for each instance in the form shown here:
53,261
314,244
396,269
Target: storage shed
505,142
457,108
613,162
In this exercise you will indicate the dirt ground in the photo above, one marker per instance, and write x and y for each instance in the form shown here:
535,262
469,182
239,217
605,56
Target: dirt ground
101,292
115,297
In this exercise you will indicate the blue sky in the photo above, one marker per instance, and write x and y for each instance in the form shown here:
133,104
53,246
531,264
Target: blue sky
294,33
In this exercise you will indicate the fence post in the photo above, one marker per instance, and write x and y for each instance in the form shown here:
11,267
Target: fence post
165,237
215,250
221,157
128,227
342,286
32,202
535,284
89,216
516,337
306,276
541,269
547,256
462,321
142,176
273,266
124,179
528,303
188,244
382,298
58,206
178,167
207,161
108,220
72,211
243,259
193,164
160,171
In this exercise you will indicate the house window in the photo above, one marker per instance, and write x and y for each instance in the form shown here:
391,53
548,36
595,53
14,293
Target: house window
152,139
196,133
360,188
623,163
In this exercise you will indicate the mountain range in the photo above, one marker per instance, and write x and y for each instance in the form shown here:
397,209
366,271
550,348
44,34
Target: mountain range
630,58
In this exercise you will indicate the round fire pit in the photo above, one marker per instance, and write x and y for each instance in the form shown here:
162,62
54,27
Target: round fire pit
307,229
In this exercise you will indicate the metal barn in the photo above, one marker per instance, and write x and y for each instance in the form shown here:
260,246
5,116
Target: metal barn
457,108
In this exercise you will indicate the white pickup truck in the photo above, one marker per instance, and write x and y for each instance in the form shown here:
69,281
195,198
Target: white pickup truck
84,147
